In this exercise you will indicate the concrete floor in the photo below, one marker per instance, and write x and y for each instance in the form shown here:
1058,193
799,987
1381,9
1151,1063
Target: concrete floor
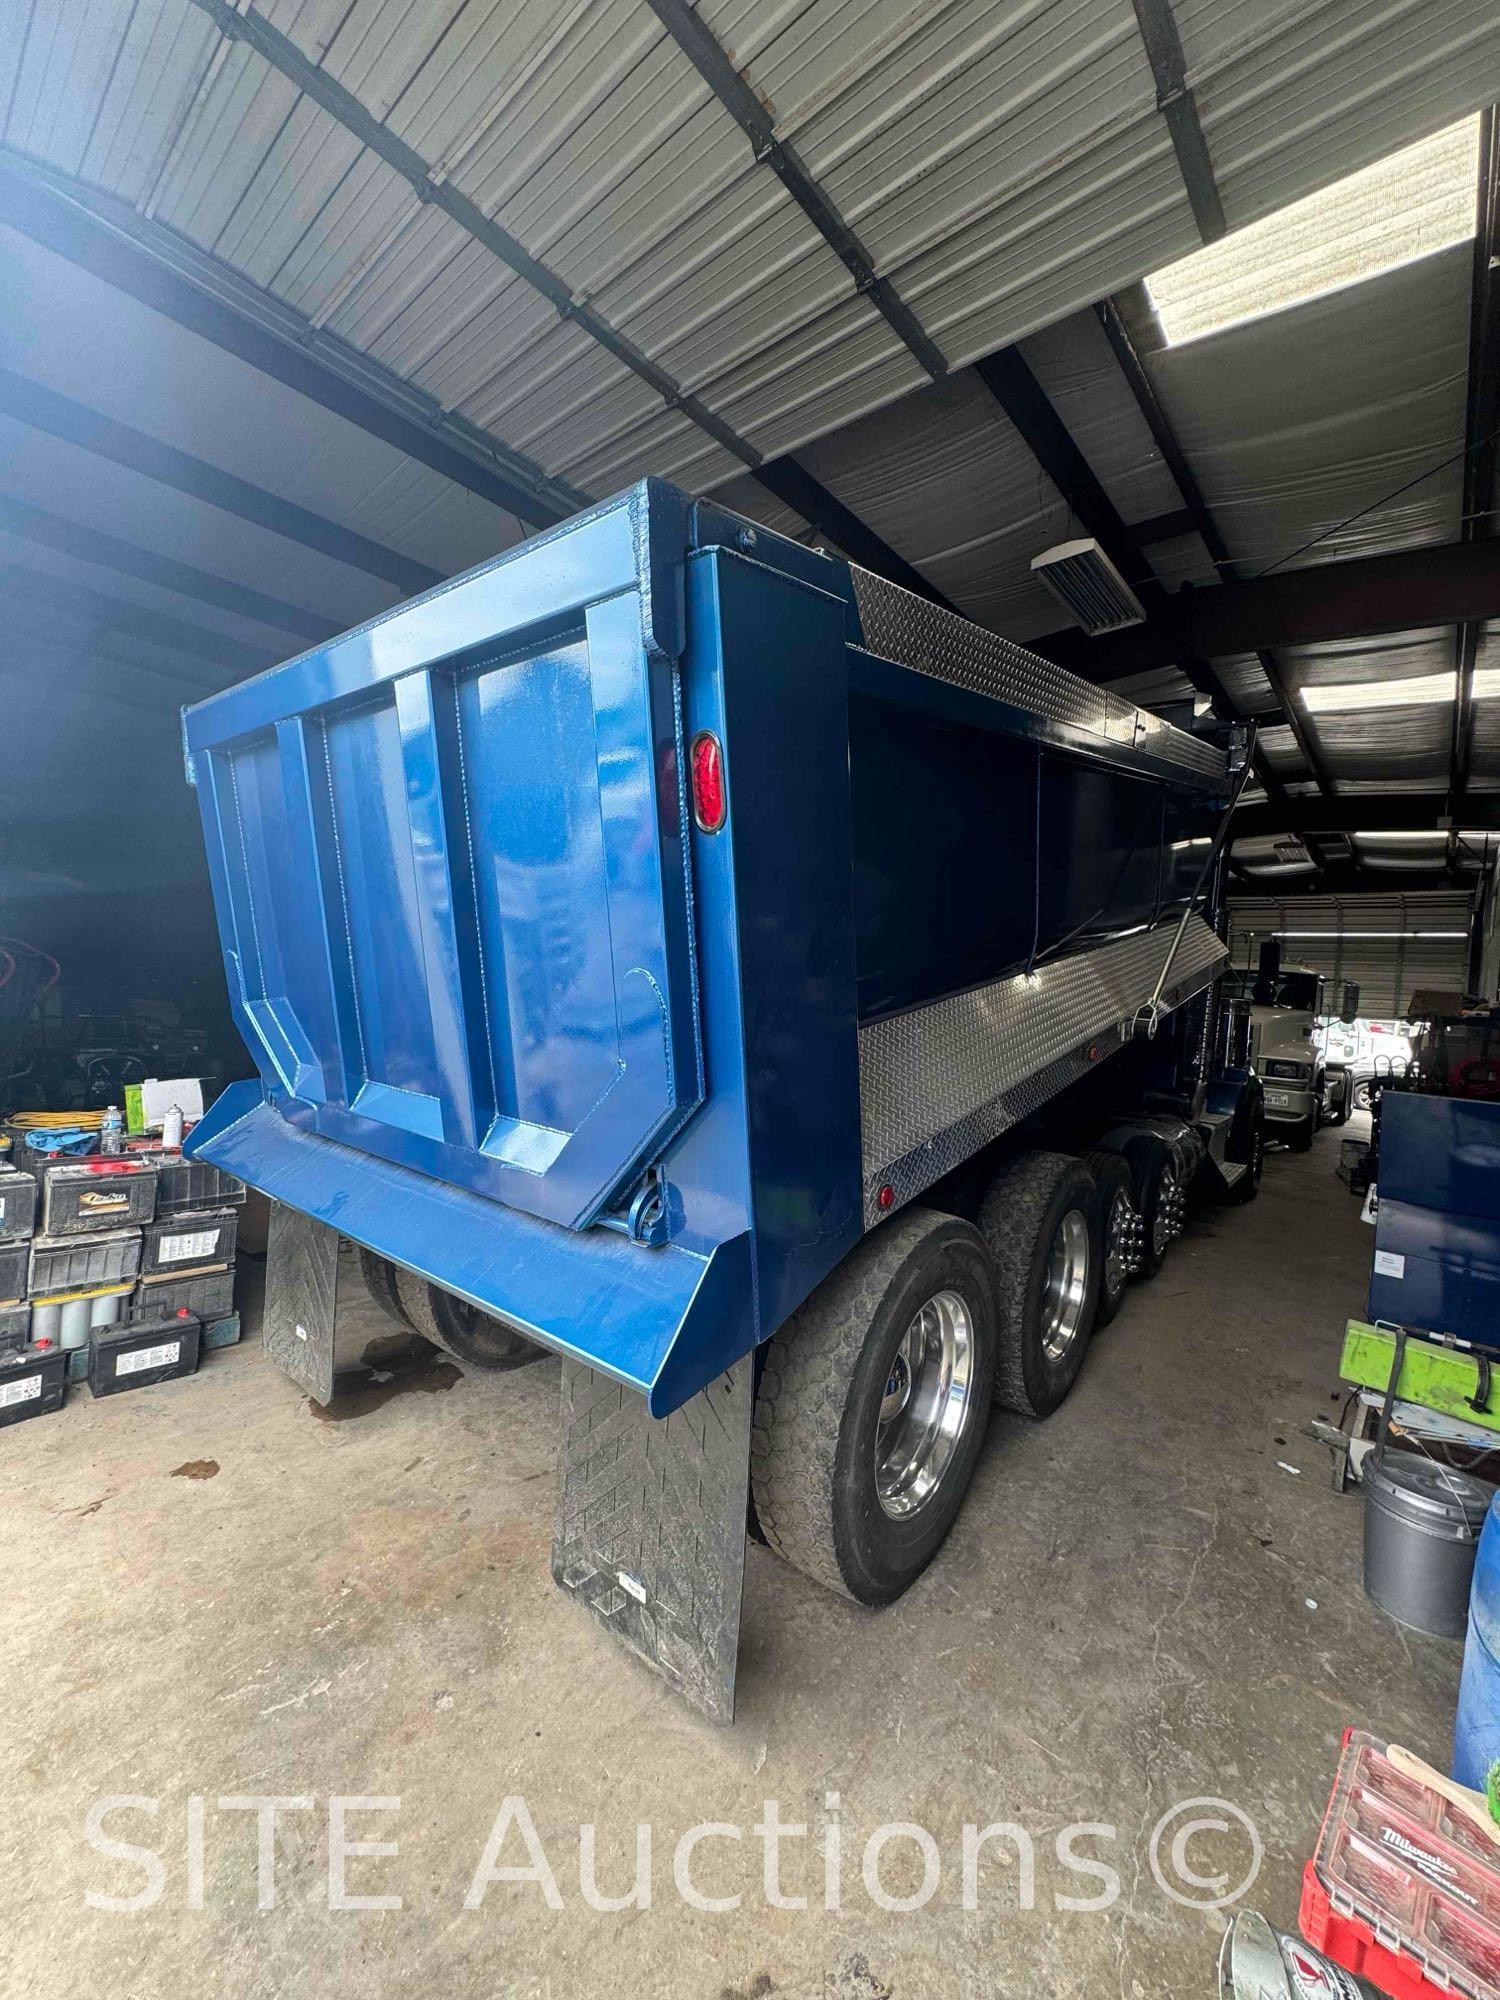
212,1589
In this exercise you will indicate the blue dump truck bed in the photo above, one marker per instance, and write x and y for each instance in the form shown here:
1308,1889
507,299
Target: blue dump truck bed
625,928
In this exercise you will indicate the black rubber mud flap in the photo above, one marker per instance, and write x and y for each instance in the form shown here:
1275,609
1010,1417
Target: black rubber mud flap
650,1530
302,1277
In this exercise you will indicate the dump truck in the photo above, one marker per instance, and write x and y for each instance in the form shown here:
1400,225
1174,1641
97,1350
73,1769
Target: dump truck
676,949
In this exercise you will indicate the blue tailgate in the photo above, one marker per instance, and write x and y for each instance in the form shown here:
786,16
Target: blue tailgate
449,853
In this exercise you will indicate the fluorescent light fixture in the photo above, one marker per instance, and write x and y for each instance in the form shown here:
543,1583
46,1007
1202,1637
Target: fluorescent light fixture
1406,206
1438,834
1410,691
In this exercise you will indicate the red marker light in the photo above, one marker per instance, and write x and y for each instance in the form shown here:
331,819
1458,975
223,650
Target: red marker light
886,1197
707,762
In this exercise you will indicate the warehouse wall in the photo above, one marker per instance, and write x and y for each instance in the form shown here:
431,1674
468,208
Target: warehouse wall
1391,945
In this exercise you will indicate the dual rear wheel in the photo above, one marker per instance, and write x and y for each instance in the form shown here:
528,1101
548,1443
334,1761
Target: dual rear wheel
874,1397
447,1321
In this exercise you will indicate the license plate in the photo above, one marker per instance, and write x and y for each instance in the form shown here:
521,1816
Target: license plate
1277,1099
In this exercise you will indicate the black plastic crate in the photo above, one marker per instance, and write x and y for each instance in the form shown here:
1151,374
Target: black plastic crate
185,1243
15,1328
86,1196
15,1262
17,1205
33,1382
141,1352
210,1296
192,1184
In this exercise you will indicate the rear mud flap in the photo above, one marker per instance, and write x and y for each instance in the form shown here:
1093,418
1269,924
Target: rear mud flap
302,1278
650,1533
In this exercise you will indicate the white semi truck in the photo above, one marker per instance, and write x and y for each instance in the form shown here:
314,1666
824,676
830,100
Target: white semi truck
1288,1048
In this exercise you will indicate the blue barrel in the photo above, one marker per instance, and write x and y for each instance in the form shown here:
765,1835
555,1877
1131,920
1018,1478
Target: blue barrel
1476,1730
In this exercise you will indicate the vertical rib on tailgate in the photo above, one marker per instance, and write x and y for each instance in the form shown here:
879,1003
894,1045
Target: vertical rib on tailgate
449,856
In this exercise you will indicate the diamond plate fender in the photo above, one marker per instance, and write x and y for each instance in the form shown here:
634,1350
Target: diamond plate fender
650,1533
302,1279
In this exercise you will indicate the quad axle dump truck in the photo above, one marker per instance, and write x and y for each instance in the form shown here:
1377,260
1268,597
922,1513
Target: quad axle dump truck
675,948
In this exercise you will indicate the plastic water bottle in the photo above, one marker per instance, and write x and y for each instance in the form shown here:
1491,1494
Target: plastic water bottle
112,1131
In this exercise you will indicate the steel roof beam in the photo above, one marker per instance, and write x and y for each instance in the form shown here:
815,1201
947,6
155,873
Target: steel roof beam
60,416
324,90
1481,421
1399,591
1365,812
1143,390
688,30
796,488
54,600
172,277
1175,101
1010,380
92,545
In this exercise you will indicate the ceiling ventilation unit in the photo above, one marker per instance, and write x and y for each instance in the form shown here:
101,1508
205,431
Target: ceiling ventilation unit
1086,583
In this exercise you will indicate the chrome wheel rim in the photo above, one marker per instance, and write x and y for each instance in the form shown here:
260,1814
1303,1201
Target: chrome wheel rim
925,1409
1161,1220
1067,1285
1117,1251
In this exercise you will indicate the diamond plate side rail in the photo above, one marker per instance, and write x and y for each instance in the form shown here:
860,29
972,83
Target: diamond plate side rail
650,1533
940,1081
302,1275
900,626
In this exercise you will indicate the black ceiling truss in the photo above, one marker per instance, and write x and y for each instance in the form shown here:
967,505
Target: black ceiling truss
92,545
1175,101
63,604
688,30
1014,386
196,291
61,417
1441,584
796,488
1143,391
1481,420
324,90
1363,812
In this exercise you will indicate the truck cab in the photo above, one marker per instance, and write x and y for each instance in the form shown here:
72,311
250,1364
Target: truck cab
1288,1051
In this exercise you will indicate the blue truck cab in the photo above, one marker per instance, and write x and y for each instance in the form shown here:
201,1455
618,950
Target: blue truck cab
665,934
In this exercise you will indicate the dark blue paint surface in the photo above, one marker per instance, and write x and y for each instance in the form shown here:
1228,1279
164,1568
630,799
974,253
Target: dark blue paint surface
501,989
1437,1228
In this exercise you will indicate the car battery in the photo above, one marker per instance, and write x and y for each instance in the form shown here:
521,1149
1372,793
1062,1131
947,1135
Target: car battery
15,1328
33,1382
223,1332
188,1244
141,1352
90,1195
209,1296
196,1185
17,1205
15,1265
67,1266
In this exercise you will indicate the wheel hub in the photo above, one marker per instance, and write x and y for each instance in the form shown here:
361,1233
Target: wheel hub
1067,1285
926,1406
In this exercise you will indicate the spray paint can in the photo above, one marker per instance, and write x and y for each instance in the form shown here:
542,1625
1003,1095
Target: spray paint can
111,1130
171,1129
1259,1963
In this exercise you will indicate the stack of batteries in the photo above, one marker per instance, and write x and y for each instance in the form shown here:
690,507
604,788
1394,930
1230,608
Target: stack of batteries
115,1269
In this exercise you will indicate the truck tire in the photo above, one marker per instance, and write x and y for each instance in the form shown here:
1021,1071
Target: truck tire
872,1408
1299,1137
1340,1092
379,1274
1159,1196
1040,1217
1119,1229
1247,1187
461,1329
